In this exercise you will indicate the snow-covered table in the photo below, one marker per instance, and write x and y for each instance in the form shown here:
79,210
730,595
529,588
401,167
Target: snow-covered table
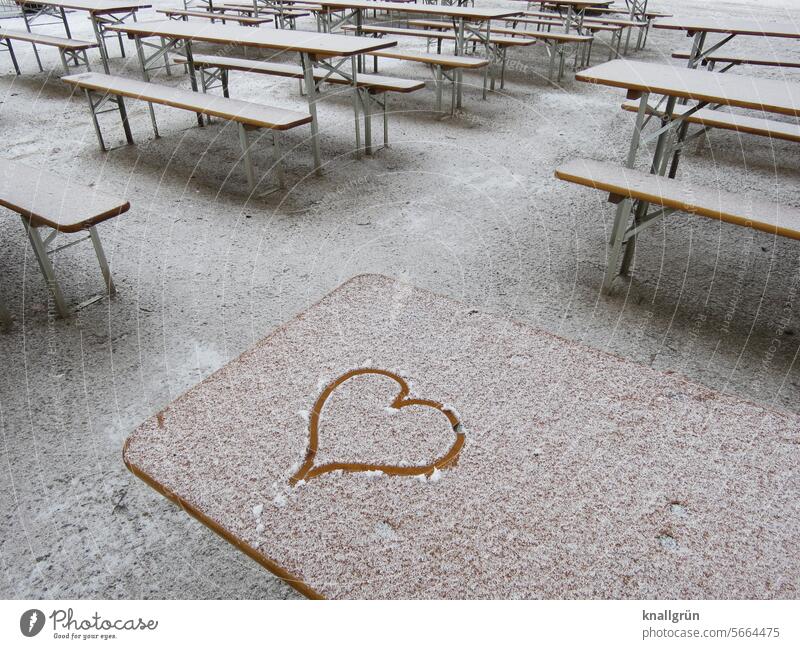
101,12
530,466
699,28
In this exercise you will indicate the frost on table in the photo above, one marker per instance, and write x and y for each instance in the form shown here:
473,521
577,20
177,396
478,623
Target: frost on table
582,475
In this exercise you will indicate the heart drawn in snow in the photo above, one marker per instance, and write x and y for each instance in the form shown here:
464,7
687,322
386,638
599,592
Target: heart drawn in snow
402,400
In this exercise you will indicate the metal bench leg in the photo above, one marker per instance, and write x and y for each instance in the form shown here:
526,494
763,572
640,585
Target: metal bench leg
13,56
38,60
101,259
356,100
192,75
366,104
617,238
64,60
248,161
276,150
386,119
96,123
311,97
438,75
123,114
167,66
46,267
146,77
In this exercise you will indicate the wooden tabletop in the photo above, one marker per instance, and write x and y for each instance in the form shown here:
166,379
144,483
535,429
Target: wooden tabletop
569,473
288,40
54,201
739,26
92,6
770,95
578,3
467,13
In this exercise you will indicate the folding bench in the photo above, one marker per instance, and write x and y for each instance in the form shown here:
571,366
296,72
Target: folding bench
45,200
667,196
214,71
711,61
247,115
69,49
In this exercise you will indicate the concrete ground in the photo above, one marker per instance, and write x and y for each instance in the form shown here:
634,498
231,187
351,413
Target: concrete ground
467,207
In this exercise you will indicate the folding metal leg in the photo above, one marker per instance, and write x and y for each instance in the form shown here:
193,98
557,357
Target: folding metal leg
624,207
13,56
40,251
354,65
386,119
123,114
35,51
146,77
276,150
366,104
101,259
64,60
98,35
247,159
617,238
311,97
192,74
96,123
166,59
439,81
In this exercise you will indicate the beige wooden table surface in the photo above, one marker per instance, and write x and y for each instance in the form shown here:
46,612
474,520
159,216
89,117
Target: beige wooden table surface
527,466
310,46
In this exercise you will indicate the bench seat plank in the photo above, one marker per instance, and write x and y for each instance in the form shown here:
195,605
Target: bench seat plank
54,201
448,36
695,199
45,39
740,60
372,82
234,110
214,16
729,121
445,60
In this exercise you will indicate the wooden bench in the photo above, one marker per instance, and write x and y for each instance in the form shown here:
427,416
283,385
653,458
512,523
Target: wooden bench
670,196
555,41
440,63
283,16
69,48
215,69
711,61
183,14
247,115
626,24
45,200
728,121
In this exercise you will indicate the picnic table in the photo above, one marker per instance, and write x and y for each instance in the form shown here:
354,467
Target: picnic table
449,453
674,84
700,28
472,21
573,12
310,46
102,13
